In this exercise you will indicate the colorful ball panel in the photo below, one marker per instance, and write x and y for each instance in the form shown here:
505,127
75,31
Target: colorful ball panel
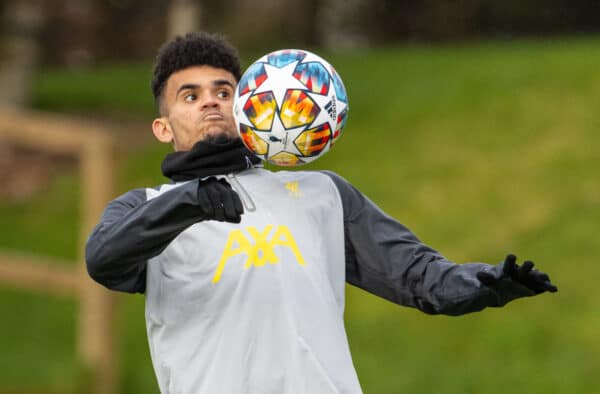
253,141
285,159
314,75
260,110
290,107
340,90
284,57
252,78
298,109
311,142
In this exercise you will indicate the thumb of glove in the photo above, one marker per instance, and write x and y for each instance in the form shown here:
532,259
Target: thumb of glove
486,278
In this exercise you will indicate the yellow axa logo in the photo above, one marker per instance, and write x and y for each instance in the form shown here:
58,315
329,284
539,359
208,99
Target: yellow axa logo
293,189
258,248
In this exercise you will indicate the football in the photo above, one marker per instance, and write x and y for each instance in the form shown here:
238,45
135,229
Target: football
290,107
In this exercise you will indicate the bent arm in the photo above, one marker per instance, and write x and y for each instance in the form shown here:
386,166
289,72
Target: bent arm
134,229
385,258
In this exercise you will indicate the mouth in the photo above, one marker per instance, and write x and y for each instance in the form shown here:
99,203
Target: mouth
213,115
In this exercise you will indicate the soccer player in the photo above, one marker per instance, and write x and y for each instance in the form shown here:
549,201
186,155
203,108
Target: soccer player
243,269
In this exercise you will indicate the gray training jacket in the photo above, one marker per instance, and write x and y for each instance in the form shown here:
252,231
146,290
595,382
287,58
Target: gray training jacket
257,307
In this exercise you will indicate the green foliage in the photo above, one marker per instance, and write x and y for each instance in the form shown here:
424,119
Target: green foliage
482,150
115,89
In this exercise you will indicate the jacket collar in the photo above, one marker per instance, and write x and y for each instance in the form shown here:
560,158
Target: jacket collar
208,158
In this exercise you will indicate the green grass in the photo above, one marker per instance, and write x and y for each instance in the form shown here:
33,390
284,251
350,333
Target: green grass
45,225
481,149
38,344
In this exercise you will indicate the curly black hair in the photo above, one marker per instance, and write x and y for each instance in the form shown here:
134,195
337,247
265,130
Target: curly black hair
193,49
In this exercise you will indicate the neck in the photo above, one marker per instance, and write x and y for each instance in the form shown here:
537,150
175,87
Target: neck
209,157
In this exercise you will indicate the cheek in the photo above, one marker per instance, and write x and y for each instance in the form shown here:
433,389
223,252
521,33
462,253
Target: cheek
184,114
180,118
231,122
228,111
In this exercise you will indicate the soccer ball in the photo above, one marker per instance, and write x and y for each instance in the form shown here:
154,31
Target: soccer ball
290,107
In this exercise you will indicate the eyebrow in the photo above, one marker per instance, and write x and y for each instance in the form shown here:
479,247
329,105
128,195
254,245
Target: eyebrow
216,82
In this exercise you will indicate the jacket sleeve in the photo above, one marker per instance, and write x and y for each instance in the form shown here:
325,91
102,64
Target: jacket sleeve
385,258
134,229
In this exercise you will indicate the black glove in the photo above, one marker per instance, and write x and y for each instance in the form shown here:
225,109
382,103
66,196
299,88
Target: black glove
219,201
534,280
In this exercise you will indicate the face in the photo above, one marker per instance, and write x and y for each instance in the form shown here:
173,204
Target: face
197,105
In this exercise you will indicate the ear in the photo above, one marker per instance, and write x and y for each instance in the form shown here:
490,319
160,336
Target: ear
162,130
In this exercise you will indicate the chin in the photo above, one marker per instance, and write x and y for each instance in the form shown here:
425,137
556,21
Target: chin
221,138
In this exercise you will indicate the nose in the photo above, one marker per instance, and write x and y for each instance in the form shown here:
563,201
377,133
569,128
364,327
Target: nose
208,101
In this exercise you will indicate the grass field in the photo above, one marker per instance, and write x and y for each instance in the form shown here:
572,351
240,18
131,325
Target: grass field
481,149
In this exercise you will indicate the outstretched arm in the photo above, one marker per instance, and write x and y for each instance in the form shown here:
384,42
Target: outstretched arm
134,229
383,257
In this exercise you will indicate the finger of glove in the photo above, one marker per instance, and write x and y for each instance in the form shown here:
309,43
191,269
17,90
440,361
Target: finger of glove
238,207
214,194
538,276
548,286
543,281
510,265
237,202
224,183
538,287
204,201
486,278
228,196
523,273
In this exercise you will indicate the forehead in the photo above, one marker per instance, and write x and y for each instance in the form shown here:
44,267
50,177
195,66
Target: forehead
198,75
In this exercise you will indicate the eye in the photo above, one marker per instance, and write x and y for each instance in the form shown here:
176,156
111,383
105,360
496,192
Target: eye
189,97
223,94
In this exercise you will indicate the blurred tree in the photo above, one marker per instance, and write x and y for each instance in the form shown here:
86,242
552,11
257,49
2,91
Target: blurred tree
78,33
183,16
83,20
82,32
263,25
433,20
340,23
22,20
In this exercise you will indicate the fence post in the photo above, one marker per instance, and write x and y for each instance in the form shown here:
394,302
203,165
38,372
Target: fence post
94,148
96,340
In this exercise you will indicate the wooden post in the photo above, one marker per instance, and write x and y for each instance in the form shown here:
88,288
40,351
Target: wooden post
51,276
96,331
93,147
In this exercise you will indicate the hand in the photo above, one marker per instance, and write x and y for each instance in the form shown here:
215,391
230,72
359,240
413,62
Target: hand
219,201
536,281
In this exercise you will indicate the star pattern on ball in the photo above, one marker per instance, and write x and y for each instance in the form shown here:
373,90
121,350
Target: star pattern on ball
279,81
286,145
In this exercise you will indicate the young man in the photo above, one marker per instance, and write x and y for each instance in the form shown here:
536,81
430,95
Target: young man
243,278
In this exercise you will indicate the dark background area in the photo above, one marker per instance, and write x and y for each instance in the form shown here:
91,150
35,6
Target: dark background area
86,31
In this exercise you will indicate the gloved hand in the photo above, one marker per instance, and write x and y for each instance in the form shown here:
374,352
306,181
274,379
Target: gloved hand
219,201
534,280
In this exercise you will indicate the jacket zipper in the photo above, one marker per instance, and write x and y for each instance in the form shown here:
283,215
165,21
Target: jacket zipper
242,192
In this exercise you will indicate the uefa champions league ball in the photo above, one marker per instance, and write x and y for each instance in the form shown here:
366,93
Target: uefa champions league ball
290,107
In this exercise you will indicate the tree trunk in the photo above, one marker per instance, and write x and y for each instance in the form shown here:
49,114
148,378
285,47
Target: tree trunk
22,22
340,24
183,16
